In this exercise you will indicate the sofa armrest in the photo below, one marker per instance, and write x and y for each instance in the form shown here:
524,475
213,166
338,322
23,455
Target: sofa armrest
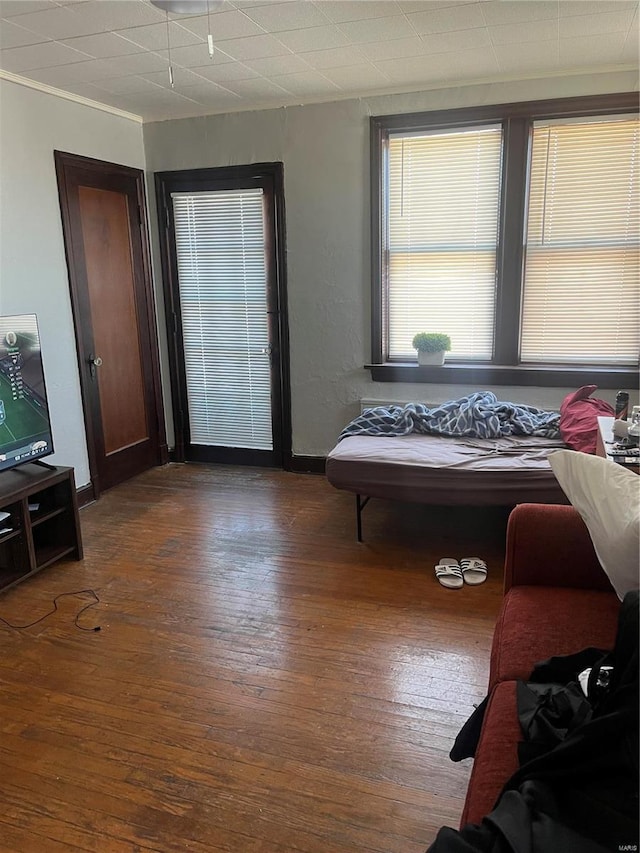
549,545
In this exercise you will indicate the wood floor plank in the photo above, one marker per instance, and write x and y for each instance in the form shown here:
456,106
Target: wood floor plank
261,683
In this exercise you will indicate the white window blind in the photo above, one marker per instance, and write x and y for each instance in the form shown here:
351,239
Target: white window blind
581,289
220,248
443,193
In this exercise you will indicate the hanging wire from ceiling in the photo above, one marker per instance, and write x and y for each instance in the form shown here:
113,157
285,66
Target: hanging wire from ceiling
185,7
171,83
209,36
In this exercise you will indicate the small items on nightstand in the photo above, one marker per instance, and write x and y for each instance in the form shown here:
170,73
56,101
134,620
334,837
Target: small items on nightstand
627,433
615,444
622,405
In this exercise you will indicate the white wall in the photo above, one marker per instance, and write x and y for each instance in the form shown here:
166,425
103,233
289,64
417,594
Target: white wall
325,151
33,270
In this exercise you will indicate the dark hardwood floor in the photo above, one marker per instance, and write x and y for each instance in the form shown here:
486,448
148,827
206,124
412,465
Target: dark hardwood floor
261,682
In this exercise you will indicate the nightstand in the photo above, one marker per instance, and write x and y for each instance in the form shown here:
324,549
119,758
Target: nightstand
604,442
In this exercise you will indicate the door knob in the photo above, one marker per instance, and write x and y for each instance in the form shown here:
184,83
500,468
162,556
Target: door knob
94,361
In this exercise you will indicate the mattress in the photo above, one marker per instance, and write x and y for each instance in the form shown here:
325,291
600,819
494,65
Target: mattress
437,469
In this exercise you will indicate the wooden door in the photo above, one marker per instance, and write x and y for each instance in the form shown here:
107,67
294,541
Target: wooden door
106,244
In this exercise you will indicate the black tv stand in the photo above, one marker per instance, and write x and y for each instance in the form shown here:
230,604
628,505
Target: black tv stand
39,521
44,464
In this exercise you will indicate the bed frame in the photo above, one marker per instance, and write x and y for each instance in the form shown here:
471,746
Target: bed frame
441,470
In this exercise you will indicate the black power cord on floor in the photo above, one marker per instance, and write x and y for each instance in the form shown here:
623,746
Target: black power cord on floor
95,601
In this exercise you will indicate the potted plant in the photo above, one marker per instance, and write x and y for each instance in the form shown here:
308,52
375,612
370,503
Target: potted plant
431,347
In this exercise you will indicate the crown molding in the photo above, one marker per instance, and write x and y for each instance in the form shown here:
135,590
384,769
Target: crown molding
68,96
329,98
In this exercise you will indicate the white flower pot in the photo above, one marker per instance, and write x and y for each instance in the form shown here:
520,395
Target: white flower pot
431,357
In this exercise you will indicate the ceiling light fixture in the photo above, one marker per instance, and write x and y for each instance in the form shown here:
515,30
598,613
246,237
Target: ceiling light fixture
181,7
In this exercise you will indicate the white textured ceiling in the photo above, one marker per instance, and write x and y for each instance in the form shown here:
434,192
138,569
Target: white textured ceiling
270,54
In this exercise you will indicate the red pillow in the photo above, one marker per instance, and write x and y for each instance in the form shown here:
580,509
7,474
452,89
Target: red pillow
579,418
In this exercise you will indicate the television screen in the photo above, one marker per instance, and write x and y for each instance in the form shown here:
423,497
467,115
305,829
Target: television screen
25,431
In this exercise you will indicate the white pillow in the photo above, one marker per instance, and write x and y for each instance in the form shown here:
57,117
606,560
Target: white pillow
607,496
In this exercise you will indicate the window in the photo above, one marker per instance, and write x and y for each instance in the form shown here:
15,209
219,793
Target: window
580,300
514,229
443,200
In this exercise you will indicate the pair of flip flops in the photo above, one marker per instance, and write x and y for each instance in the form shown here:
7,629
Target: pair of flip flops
454,574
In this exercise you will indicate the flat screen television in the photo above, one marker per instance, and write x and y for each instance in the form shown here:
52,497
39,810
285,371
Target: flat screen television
25,429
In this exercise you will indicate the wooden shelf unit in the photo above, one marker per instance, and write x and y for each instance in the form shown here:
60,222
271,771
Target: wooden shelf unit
37,537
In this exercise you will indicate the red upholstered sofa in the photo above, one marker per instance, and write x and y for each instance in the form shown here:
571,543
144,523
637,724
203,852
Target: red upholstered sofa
558,601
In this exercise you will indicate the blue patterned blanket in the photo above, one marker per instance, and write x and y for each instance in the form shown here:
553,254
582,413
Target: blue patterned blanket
479,415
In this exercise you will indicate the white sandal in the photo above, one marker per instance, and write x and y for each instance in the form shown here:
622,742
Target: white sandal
474,570
448,573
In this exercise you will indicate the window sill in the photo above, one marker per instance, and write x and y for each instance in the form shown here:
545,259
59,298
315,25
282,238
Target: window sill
493,374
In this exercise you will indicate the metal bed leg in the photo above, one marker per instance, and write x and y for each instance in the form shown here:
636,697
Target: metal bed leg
360,505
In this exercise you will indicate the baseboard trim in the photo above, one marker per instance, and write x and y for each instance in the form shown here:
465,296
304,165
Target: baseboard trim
86,495
307,464
296,464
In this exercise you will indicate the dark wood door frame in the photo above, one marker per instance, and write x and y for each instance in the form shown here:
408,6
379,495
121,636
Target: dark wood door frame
64,163
193,180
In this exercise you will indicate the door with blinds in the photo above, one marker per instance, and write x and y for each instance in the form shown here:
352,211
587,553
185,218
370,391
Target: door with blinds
224,288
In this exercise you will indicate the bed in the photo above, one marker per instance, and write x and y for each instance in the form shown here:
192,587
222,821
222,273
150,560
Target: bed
444,470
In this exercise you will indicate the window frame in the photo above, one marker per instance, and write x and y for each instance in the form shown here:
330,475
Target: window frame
504,369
